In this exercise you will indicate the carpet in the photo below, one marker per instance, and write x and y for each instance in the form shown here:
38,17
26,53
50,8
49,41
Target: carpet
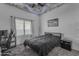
57,51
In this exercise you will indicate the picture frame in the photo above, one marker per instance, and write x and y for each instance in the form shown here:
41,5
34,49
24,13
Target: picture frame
53,22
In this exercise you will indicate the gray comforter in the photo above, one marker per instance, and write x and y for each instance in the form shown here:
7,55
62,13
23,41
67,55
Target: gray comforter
43,44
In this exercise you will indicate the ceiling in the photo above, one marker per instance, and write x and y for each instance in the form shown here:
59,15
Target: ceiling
36,8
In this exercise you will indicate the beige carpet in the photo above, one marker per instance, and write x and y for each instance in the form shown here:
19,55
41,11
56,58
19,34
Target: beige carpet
58,51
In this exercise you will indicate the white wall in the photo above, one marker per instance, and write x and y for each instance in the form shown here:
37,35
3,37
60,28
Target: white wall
68,15
6,11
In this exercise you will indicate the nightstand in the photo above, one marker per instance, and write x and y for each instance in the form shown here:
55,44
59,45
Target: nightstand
66,44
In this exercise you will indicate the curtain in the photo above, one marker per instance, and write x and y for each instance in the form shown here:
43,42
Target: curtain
13,28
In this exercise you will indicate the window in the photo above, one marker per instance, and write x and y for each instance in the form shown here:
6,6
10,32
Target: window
23,27
28,28
19,27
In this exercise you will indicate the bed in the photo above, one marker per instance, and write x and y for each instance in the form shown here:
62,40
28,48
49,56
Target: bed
43,44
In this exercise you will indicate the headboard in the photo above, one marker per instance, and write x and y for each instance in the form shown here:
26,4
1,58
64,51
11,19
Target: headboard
55,34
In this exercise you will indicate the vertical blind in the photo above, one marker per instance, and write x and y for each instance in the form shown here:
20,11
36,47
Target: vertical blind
23,27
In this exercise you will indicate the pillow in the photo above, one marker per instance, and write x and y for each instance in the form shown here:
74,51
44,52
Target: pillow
48,34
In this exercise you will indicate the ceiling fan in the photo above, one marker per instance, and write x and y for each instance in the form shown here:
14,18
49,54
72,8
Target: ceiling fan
36,4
